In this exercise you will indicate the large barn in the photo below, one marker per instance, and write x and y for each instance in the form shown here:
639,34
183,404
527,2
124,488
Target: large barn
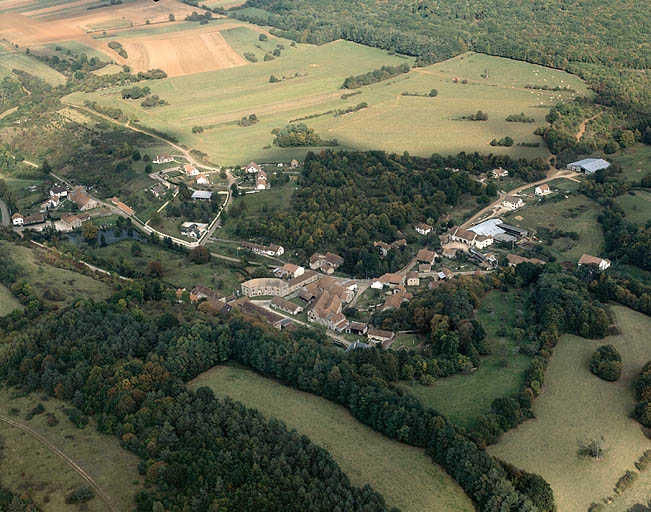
588,165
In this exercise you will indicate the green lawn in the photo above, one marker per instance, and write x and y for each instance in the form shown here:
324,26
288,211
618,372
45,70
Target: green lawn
577,213
30,467
634,161
16,59
178,271
313,76
576,407
403,474
56,286
8,302
463,398
637,205
26,200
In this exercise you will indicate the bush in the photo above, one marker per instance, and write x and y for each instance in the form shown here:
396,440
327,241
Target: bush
606,363
80,495
625,481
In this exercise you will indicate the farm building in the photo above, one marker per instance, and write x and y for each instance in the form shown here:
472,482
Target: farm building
589,165
586,259
201,195
82,199
542,190
265,286
286,306
499,173
512,202
379,336
59,190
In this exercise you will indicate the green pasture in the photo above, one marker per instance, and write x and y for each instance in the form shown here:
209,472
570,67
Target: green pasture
16,59
177,269
77,48
463,398
576,213
26,201
8,302
30,467
637,205
311,86
634,161
403,474
55,286
577,407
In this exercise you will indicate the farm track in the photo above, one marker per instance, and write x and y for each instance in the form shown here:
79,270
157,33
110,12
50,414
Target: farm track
583,125
100,492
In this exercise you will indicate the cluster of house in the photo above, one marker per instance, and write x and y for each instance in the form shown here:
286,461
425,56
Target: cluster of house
266,250
261,181
484,234
200,177
384,247
159,189
57,194
218,303
326,263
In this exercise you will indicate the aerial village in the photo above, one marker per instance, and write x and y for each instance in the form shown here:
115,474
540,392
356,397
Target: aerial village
314,292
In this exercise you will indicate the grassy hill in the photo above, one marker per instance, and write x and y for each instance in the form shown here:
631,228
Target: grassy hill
403,474
577,407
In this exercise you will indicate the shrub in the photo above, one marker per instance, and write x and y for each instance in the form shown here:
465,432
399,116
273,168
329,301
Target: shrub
625,481
80,495
606,363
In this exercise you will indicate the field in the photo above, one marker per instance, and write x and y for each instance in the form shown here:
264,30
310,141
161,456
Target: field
463,398
577,214
7,302
177,270
11,58
637,205
577,407
634,161
56,286
29,466
403,474
310,80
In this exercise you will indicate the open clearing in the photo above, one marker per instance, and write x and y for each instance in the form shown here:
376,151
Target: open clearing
637,205
577,407
310,80
11,58
403,474
30,466
577,213
56,286
463,398
8,302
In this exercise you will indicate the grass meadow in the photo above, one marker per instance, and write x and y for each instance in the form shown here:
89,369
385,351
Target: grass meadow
8,302
463,398
576,213
576,407
29,466
313,75
637,205
11,58
403,474
56,286
77,48
177,270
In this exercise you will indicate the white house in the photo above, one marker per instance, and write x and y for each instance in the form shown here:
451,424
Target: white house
499,173
202,179
512,202
253,167
423,229
261,181
51,203
542,190
586,259
59,190
470,238
17,219
589,165
190,170
162,159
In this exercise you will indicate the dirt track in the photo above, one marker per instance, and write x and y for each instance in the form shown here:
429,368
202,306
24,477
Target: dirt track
100,492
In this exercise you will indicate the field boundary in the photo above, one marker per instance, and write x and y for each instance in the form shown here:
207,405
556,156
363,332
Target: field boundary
43,440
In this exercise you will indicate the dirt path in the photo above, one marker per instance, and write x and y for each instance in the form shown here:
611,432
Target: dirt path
583,125
495,207
100,492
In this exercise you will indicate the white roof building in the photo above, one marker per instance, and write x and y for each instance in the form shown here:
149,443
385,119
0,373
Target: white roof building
201,194
589,165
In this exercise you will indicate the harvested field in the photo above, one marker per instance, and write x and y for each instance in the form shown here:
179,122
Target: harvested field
182,54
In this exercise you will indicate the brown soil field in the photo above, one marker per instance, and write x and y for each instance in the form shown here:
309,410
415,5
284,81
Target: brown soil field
181,54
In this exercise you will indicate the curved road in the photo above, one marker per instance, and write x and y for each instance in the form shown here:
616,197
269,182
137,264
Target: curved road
5,213
100,492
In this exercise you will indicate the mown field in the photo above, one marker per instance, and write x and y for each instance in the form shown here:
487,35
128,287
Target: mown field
31,467
403,474
56,286
11,58
577,214
217,100
463,398
577,407
637,205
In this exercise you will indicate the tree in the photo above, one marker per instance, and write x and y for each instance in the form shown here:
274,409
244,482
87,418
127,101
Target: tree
234,190
433,93
199,255
135,156
89,231
154,269
45,167
606,363
171,17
